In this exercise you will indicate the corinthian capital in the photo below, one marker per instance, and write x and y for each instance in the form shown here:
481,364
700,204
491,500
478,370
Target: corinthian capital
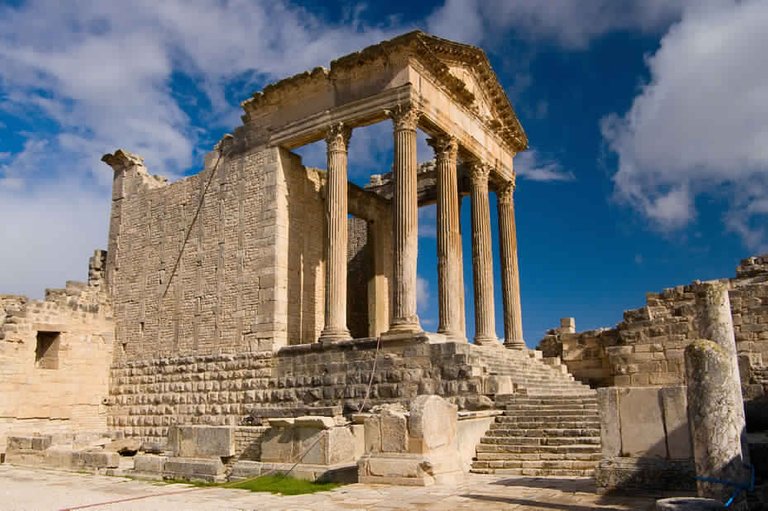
479,172
505,191
405,117
337,137
446,147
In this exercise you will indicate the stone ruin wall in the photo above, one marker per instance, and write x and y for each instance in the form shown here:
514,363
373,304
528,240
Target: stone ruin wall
646,348
226,295
60,388
249,281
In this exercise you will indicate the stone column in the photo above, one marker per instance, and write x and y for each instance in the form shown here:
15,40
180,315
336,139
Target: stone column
716,418
450,280
335,327
482,257
510,277
713,321
405,222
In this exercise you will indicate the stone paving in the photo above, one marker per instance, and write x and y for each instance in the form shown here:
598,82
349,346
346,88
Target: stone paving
42,490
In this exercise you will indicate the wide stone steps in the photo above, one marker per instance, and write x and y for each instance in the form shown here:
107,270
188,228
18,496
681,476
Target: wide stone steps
542,435
543,422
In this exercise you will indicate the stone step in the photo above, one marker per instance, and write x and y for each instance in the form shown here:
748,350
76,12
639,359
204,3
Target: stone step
588,397
534,472
550,413
553,406
543,449
485,451
543,432
534,440
539,464
541,422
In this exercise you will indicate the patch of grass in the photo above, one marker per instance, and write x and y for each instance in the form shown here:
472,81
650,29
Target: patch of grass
282,485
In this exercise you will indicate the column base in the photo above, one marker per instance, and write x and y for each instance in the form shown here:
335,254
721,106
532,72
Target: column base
453,335
333,335
403,328
515,345
487,340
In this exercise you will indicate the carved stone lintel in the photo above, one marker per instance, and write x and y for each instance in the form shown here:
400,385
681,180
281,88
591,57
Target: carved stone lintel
337,137
405,117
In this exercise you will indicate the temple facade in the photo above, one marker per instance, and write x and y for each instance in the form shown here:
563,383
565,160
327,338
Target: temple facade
253,253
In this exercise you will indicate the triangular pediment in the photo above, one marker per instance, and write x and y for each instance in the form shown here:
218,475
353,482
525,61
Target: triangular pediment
474,82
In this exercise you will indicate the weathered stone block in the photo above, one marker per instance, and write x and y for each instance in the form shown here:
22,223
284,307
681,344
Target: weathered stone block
194,469
202,441
642,426
99,459
149,463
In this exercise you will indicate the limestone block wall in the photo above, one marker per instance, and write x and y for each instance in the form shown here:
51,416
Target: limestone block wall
646,348
249,276
148,396
54,359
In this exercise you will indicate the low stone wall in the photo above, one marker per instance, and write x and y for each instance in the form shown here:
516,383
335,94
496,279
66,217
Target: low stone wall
54,359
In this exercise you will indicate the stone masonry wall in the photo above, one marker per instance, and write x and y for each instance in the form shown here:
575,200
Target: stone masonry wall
646,348
248,277
54,358
148,396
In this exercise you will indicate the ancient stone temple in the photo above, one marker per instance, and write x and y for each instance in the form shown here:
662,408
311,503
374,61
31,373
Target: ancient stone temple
262,314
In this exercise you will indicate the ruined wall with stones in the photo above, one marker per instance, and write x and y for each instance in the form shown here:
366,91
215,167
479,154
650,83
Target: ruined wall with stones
646,348
54,358
249,276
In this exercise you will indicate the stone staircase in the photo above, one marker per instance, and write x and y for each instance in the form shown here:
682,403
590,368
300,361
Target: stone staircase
550,425
528,372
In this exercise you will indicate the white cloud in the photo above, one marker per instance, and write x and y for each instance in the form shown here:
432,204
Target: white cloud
422,293
568,23
94,76
428,221
698,127
532,166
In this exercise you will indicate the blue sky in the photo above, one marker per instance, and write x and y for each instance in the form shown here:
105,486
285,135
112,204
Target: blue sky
648,165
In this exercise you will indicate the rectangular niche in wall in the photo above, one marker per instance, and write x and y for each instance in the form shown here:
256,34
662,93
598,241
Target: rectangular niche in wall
47,350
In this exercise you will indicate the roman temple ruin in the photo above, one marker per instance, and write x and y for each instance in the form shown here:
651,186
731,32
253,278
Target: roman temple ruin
261,314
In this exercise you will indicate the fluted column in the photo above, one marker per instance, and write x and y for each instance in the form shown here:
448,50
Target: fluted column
450,283
335,327
405,222
510,277
482,257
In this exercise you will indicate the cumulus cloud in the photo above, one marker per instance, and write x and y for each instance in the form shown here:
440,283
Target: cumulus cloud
698,126
92,76
532,166
422,293
565,22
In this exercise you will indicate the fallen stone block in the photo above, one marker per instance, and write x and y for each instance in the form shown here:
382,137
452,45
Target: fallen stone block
99,459
210,470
